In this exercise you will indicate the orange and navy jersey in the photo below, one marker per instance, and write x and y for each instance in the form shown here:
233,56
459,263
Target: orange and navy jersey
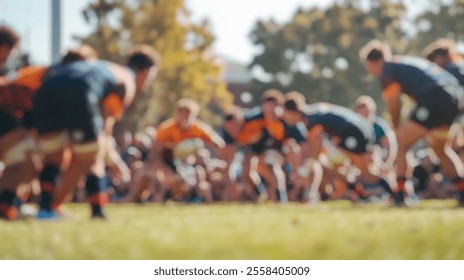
17,95
258,132
415,76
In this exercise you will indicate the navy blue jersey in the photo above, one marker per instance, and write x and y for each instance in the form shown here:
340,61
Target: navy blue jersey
336,120
457,70
416,75
96,75
298,132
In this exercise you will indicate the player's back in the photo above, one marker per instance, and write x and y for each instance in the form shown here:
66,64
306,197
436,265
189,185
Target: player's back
81,74
336,119
457,70
416,75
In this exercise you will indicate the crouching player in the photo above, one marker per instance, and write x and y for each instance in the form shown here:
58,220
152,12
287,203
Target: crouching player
349,132
76,107
175,176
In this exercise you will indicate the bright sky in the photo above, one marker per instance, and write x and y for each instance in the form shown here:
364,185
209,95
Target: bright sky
232,21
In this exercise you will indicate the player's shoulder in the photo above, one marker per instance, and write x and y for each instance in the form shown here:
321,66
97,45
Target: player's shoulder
203,126
166,125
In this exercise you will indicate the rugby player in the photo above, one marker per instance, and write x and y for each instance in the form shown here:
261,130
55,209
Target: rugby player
439,99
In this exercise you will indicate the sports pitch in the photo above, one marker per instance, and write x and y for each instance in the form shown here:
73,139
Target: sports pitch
329,231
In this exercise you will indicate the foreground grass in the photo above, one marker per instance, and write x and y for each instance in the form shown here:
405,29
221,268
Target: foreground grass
338,230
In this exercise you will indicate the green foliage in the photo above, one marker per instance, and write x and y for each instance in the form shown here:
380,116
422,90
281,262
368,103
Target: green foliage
188,69
331,230
443,21
316,52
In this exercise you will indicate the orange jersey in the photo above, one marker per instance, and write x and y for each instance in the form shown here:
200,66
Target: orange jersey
16,96
256,127
170,133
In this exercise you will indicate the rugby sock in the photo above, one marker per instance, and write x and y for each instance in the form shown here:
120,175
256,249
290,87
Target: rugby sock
7,210
401,184
95,187
398,195
48,181
460,188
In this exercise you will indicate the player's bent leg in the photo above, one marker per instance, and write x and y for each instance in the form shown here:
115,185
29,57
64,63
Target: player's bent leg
91,156
407,135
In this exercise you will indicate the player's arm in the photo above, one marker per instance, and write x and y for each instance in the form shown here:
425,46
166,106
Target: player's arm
116,163
121,96
212,139
389,143
392,97
161,142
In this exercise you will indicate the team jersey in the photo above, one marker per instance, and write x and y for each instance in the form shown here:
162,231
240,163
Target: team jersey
457,70
17,94
95,78
415,76
297,132
169,132
336,120
258,132
95,74
381,129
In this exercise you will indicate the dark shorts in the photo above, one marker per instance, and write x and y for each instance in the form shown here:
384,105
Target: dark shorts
354,140
70,105
7,123
435,108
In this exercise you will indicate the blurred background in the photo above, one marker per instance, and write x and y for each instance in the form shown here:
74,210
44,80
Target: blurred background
222,53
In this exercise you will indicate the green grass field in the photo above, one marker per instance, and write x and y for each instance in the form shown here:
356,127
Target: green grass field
336,230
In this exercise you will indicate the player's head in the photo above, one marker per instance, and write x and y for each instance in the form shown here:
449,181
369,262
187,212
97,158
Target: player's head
8,41
233,120
442,51
272,103
144,60
186,112
82,52
366,106
293,107
374,54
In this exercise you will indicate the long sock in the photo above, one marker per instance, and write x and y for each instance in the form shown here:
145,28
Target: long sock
401,184
398,195
7,209
48,182
97,197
